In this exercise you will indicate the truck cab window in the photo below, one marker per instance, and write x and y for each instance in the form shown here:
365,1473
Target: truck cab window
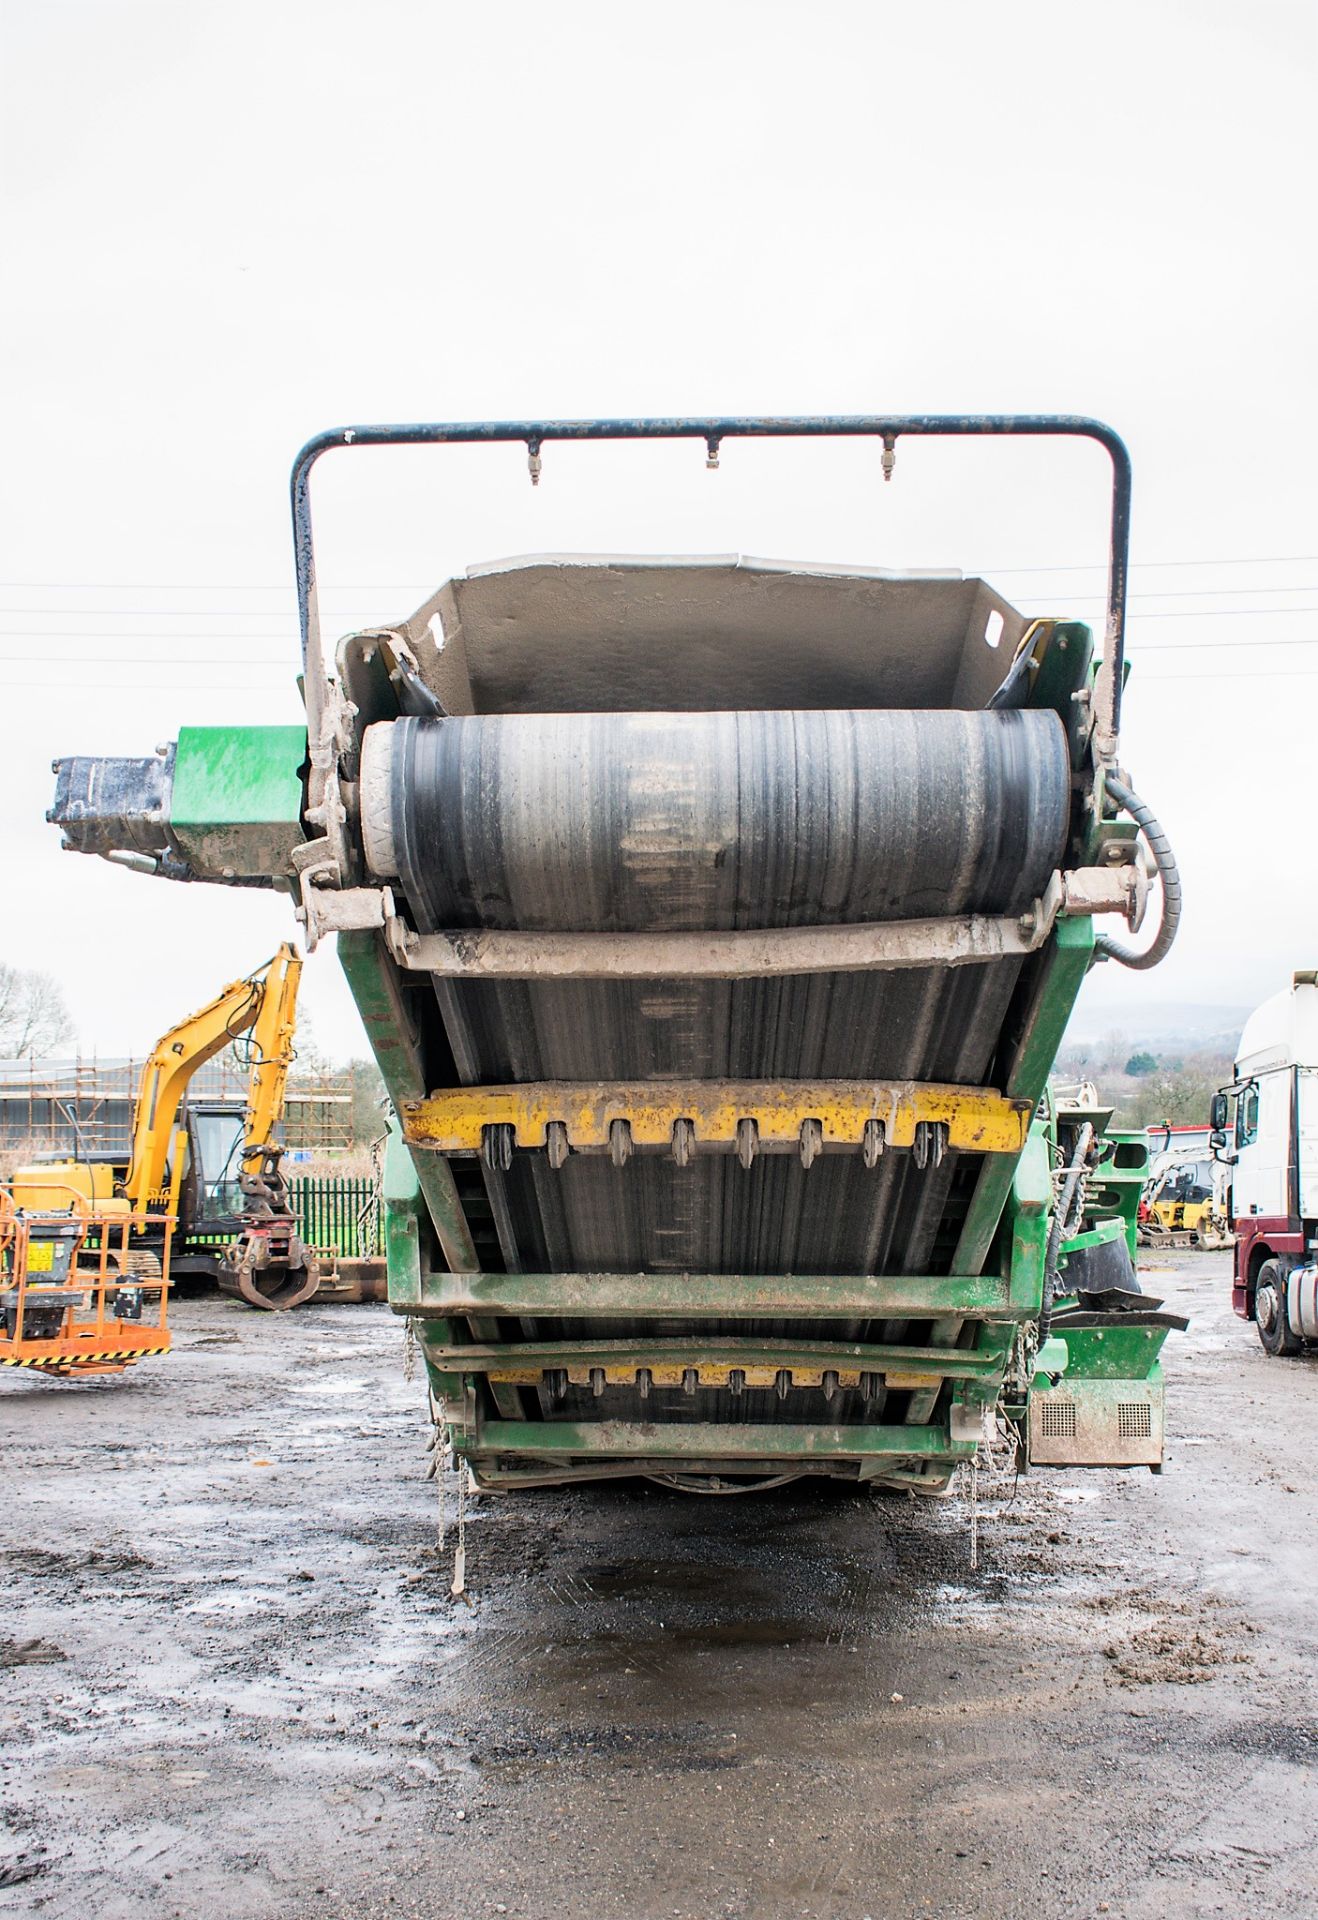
1247,1117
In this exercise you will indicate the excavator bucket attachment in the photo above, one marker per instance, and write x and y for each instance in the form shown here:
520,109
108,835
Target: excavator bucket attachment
267,1264
274,1285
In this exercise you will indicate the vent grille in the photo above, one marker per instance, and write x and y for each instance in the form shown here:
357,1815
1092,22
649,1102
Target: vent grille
1134,1420
1057,1419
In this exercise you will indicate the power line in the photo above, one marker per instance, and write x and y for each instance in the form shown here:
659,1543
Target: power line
122,686
107,657
263,613
1234,560
1211,679
1197,646
288,631
162,638
228,686
396,586
1152,593
1215,613
144,660
1187,647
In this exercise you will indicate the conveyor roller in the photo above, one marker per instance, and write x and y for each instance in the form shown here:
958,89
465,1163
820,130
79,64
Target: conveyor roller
705,821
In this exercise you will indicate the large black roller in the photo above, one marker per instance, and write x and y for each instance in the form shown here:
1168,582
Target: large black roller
629,822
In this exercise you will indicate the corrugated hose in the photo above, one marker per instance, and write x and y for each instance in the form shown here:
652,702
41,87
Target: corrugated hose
1160,848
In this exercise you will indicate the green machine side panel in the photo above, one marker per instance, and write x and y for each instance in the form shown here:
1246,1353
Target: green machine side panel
236,805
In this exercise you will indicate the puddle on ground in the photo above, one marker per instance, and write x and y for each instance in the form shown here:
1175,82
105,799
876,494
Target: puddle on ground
323,1389
253,1600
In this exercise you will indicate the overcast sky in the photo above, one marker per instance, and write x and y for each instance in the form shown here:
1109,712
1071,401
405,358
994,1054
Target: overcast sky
228,226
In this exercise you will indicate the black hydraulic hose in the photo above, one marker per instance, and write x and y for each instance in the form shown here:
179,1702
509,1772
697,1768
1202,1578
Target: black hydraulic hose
1063,1225
1160,847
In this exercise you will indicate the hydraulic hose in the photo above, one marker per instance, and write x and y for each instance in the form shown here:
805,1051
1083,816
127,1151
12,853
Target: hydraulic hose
1160,848
1065,1222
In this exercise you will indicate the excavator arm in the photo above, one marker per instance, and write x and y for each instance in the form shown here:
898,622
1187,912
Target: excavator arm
263,1001
268,1265
273,1052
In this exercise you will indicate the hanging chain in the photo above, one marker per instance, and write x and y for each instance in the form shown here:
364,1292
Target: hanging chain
442,1454
370,1214
1084,1174
459,1586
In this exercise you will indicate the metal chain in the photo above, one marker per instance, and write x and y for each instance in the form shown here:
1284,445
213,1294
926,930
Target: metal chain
441,1471
1079,1196
371,1211
1079,1201
409,1347
459,1586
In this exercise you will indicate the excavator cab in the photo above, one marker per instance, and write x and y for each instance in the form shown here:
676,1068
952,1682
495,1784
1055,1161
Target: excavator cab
213,1174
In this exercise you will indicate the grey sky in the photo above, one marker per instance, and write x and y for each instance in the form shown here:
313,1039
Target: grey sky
228,226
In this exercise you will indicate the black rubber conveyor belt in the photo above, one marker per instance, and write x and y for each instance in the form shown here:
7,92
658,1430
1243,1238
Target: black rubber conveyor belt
666,821
679,821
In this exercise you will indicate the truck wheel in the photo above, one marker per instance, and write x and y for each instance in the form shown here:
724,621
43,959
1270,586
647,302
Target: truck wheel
1275,1335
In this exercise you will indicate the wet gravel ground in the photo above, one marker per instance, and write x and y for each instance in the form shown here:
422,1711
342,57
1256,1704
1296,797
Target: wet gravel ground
233,1681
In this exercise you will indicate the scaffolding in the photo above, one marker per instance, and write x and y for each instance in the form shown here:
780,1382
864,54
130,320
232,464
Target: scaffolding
84,1108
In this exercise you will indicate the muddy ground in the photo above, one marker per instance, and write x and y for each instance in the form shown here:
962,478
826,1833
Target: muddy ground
234,1682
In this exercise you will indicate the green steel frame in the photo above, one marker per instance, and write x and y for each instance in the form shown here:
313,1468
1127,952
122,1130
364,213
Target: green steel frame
953,1377
969,1359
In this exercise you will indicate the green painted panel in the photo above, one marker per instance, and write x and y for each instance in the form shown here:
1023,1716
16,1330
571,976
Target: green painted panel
373,978
621,1440
402,1206
1028,1204
1111,1353
1119,1183
236,804
1068,955
1064,669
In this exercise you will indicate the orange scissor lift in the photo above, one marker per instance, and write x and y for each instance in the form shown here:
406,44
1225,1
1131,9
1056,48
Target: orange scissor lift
71,1302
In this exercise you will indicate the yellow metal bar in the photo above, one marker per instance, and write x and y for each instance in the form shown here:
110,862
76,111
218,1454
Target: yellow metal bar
666,1375
978,1119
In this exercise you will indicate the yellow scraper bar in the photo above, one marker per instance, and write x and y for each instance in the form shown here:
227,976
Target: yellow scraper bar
715,1378
709,1113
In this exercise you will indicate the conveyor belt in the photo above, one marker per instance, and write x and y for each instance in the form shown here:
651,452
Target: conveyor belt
706,821
630,822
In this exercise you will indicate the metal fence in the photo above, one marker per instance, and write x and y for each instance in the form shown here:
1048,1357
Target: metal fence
339,1213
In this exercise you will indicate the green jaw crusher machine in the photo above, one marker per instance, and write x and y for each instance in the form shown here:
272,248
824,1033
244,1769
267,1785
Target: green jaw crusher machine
715,923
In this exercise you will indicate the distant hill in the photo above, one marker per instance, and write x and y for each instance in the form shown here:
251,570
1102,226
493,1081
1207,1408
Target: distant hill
1159,1024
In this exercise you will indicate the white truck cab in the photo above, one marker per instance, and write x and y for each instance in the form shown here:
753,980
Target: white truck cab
1274,1151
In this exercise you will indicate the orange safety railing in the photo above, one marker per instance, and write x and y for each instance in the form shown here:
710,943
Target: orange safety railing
70,1298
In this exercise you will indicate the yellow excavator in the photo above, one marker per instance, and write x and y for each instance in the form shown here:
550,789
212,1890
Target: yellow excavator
212,1165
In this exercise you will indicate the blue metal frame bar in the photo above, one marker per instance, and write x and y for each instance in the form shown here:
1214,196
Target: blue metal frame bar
888,428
